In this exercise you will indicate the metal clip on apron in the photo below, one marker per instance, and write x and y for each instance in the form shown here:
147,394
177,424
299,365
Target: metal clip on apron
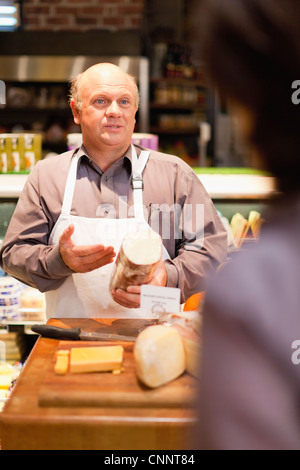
87,295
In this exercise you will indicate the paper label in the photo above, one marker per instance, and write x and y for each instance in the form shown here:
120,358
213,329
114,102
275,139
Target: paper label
29,160
157,299
16,161
3,162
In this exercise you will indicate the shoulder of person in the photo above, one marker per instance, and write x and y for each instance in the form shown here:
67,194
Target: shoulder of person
51,166
59,162
49,170
173,160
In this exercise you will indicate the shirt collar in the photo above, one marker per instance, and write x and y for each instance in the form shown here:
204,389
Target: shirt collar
126,160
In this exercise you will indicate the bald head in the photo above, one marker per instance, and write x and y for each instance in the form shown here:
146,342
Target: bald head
101,72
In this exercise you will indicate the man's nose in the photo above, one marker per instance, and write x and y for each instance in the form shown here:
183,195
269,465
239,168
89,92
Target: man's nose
113,109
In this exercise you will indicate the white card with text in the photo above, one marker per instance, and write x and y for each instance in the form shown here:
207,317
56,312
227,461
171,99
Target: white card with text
157,299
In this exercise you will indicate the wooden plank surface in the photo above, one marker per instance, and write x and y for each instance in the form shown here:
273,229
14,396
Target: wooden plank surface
25,425
107,389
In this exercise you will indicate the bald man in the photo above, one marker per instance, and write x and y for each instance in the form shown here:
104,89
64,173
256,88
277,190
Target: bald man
77,207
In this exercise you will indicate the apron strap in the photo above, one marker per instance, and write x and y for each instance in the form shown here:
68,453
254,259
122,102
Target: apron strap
70,186
138,166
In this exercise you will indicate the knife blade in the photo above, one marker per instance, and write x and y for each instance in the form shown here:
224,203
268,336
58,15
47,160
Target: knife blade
76,334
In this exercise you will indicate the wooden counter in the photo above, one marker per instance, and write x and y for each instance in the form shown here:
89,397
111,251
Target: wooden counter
27,424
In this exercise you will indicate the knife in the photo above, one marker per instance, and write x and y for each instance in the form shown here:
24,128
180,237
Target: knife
75,334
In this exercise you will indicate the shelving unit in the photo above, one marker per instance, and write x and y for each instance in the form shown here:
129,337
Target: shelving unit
177,106
39,107
37,93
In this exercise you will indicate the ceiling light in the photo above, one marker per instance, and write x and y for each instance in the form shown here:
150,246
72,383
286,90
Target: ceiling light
10,18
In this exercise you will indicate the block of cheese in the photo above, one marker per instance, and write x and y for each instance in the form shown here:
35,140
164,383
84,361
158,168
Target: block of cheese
62,362
96,359
159,355
137,260
5,382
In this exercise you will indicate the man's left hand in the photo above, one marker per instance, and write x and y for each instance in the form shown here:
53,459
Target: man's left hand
132,297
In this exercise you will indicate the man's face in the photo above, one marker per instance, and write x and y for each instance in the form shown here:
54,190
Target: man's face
107,115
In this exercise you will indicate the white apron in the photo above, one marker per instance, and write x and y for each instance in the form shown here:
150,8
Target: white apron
87,295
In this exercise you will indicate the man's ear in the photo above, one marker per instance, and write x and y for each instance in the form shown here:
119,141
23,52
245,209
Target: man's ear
75,111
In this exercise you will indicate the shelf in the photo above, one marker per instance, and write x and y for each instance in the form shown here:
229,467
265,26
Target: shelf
238,186
20,322
11,185
218,186
178,81
175,131
31,109
178,106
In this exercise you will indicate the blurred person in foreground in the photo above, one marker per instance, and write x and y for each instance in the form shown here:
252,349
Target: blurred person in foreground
250,371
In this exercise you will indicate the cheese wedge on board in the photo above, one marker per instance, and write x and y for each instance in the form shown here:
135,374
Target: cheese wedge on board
62,362
96,359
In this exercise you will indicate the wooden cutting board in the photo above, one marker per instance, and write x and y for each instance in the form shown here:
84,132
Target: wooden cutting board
104,389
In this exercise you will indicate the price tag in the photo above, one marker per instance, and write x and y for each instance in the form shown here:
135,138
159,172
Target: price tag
157,299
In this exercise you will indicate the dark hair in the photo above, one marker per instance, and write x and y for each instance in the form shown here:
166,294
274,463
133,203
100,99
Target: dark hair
251,49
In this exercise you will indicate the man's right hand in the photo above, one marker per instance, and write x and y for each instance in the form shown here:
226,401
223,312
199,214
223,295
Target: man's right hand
83,259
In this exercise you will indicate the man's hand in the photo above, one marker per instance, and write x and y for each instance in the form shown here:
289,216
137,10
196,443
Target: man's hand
83,259
132,297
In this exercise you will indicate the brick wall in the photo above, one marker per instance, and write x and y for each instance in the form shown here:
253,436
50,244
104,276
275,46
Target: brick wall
82,15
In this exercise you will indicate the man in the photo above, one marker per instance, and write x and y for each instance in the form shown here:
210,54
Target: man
76,208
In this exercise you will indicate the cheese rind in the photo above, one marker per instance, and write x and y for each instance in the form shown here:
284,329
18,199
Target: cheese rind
137,259
96,359
159,355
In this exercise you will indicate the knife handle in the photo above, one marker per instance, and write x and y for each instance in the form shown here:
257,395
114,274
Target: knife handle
56,332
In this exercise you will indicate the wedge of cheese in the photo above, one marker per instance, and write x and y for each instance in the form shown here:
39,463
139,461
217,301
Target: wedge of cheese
137,260
62,362
96,359
159,355
240,227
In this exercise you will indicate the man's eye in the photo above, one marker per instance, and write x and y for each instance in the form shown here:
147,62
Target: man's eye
125,102
100,101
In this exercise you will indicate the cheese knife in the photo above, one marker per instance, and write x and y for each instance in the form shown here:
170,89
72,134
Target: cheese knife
75,334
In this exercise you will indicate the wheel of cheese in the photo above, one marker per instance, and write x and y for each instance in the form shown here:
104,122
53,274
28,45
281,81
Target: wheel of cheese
159,355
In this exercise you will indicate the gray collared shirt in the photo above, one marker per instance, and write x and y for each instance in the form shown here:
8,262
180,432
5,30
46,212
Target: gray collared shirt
175,204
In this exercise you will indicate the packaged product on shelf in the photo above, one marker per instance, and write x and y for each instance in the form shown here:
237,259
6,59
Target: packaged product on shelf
17,154
9,374
5,152
33,150
10,293
10,351
32,305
